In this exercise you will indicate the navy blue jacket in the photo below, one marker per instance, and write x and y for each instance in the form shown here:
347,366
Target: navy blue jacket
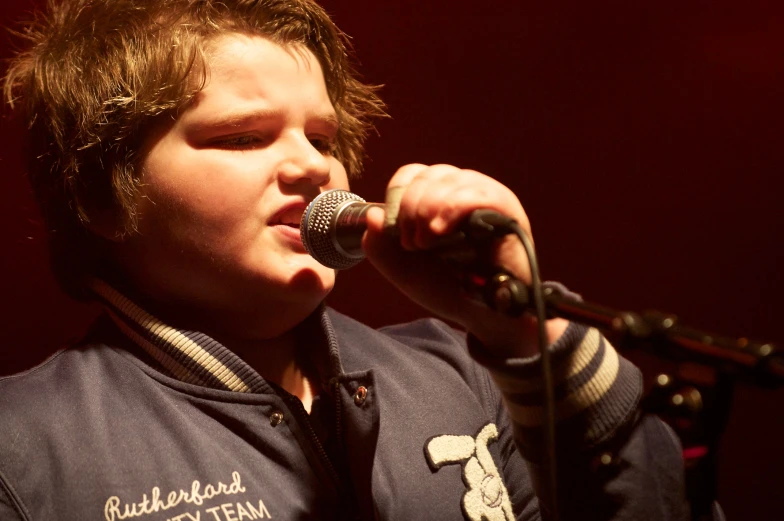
125,426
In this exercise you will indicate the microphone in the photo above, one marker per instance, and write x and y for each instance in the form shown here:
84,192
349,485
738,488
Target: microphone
332,227
333,224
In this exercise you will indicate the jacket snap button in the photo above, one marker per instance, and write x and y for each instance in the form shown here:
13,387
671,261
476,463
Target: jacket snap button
361,394
276,418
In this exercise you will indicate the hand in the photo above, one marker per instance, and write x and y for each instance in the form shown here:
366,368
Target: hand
435,200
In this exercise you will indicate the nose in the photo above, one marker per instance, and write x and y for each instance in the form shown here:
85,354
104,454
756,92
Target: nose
303,162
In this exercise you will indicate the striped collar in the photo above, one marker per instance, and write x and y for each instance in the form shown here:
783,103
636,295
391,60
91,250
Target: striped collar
189,356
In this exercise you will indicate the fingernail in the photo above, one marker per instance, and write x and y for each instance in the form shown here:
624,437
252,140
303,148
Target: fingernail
392,202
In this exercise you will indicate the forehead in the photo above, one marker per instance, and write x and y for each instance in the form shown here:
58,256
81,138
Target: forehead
233,50
252,70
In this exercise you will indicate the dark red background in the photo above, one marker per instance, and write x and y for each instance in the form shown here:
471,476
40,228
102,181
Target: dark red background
643,140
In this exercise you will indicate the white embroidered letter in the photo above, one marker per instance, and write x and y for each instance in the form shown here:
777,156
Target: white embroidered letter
486,498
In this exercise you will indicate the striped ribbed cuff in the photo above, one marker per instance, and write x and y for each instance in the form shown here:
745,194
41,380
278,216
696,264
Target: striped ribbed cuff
596,391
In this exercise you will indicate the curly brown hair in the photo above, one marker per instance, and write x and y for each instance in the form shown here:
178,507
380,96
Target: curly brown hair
96,75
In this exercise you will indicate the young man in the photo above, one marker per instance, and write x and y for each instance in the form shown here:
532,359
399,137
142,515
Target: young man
174,147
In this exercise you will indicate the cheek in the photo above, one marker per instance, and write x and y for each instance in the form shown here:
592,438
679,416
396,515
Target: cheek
197,190
204,201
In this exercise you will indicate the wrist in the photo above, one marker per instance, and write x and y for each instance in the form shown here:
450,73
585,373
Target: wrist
521,341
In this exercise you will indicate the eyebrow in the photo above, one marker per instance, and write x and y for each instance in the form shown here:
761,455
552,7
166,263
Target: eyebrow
240,119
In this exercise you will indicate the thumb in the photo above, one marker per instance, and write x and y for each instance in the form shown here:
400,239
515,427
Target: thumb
375,219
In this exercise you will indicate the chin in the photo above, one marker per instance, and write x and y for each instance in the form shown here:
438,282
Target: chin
311,283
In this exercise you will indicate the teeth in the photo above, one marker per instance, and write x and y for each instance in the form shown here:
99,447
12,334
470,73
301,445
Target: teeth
291,217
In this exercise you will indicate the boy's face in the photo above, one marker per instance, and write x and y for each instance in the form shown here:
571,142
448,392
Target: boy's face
225,186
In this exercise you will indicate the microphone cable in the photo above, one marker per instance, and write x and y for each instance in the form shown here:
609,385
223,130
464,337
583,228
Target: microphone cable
547,372
483,225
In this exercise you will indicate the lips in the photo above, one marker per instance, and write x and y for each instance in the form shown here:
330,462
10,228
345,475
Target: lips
286,223
289,215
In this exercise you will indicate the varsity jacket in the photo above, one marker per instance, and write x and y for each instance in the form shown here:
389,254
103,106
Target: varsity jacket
145,422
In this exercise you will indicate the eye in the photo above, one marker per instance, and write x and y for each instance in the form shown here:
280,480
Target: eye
240,142
324,145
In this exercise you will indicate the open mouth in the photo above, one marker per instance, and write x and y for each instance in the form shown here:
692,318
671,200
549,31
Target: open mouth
289,217
289,224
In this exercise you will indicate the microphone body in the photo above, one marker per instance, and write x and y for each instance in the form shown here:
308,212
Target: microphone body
333,224
332,227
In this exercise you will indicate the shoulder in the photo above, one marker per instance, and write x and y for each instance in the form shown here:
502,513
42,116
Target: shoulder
53,415
56,385
44,409
427,335
429,349
80,383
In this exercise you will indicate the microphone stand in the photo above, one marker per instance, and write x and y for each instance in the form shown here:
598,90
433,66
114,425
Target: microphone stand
697,412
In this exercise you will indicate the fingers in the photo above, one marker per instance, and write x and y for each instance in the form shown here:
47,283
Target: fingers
375,219
436,199
418,209
432,201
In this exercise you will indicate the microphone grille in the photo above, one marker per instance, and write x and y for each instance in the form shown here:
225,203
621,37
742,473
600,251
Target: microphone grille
315,229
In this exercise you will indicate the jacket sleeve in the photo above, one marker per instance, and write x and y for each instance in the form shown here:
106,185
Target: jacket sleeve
613,462
10,507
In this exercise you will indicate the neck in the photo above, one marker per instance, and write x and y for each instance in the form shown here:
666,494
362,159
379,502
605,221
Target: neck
277,361
271,350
